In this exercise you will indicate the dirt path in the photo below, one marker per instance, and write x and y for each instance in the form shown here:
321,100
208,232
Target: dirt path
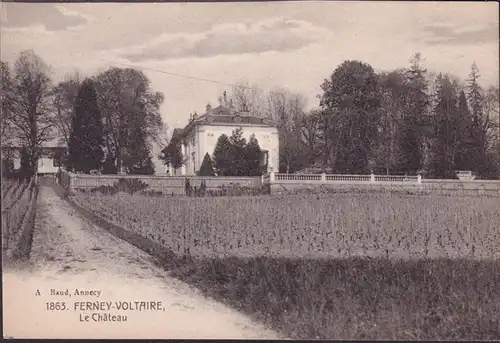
69,253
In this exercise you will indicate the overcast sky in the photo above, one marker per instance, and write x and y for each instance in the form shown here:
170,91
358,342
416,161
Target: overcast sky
289,44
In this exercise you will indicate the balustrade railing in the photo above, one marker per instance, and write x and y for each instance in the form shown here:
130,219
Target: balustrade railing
296,177
329,178
396,178
347,177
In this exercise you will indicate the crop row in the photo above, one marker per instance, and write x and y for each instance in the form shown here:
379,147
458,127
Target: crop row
342,225
17,204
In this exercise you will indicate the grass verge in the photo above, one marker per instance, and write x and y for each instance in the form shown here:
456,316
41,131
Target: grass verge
358,298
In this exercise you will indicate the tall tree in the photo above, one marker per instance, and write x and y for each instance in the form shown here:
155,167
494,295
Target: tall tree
238,144
447,129
222,156
32,123
171,155
138,161
127,103
351,98
463,149
321,127
310,135
86,140
413,128
248,98
234,156
64,103
253,157
6,103
479,125
287,110
492,113
393,90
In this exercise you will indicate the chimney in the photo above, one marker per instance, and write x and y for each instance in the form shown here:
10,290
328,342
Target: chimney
225,98
209,107
220,100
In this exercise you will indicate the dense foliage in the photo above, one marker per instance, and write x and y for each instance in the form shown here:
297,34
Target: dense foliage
108,121
86,139
207,168
234,156
404,121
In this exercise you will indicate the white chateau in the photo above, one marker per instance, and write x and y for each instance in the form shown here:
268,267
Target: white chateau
201,134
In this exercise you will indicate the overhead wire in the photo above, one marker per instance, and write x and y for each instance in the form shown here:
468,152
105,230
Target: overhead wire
176,74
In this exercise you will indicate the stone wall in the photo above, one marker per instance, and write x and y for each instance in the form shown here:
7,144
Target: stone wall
165,184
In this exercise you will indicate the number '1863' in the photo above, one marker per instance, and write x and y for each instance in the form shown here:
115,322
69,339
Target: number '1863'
56,306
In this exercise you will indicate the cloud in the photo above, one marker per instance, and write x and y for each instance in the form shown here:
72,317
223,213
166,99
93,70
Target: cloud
276,34
447,34
50,16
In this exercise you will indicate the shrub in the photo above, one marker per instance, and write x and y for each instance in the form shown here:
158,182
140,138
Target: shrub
187,187
103,189
238,190
207,168
129,186
152,193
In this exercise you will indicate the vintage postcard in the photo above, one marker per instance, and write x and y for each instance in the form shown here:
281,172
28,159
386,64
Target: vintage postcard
250,170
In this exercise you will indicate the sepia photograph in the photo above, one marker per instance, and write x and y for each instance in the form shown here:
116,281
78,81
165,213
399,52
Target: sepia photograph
250,170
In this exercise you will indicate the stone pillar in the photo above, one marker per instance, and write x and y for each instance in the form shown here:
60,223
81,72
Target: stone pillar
372,178
419,178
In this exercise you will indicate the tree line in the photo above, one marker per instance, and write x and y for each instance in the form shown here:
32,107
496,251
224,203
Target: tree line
404,121
108,121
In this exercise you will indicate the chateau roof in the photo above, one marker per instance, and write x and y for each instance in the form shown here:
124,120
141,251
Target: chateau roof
221,115
229,115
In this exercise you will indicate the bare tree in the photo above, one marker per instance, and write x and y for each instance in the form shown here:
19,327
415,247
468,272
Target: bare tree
64,100
310,134
6,109
287,110
31,91
248,98
284,108
492,115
